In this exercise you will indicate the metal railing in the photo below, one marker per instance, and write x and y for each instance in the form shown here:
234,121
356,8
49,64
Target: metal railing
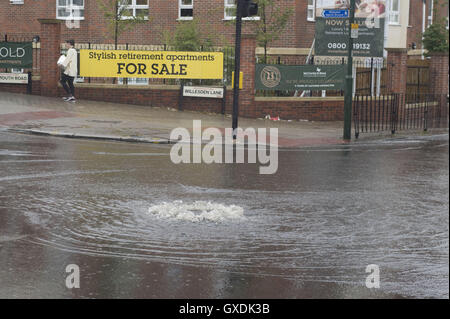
399,112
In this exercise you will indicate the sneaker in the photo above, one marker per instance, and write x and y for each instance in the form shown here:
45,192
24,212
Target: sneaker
70,99
65,98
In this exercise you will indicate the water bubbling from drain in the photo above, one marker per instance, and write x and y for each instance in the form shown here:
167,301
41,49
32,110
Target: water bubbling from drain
197,211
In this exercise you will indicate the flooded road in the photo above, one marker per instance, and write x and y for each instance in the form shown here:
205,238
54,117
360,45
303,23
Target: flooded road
139,226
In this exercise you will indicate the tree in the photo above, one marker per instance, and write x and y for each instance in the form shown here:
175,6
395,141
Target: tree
119,18
187,37
273,20
435,38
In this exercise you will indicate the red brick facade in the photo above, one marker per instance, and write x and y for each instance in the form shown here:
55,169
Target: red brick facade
439,73
397,69
163,17
416,21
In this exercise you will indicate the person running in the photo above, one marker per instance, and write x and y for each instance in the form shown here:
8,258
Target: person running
69,64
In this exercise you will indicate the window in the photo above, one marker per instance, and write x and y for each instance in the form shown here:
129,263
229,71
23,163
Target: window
394,12
70,9
134,8
311,10
186,9
16,1
15,70
134,81
230,11
430,12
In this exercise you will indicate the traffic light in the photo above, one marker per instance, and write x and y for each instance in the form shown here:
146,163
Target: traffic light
249,8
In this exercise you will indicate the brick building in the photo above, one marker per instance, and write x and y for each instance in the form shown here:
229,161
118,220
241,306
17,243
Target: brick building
83,21
86,22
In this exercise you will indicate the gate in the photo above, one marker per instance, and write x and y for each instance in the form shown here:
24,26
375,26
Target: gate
417,77
395,112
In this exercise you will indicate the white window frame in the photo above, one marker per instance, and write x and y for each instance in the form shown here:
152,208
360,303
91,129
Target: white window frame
311,8
182,6
430,13
228,5
16,70
16,1
394,14
69,7
133,81
133,6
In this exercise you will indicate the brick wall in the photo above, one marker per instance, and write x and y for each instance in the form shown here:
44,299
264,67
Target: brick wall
416,19
397,68
439,73
163,15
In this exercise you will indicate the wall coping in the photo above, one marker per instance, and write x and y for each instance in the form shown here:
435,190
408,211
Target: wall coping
135,87
400,50
283,51
438,54
125,86
297,99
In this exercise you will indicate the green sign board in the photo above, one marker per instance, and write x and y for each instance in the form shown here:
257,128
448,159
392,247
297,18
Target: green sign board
332,37
16,55
300,77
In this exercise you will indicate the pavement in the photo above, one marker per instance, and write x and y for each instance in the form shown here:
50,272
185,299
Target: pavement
131,123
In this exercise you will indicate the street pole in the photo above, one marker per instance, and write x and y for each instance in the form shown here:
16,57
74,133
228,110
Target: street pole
349,79
237,67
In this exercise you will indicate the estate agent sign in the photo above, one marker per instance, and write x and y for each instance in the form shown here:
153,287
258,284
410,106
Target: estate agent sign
16,55
332,28
300,77
151,64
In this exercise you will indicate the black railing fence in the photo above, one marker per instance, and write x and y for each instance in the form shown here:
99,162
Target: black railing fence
398,112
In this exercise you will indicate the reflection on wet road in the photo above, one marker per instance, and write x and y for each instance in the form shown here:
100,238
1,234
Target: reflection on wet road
140,226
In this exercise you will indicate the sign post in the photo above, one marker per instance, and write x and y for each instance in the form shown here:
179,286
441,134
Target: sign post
349,78
237,67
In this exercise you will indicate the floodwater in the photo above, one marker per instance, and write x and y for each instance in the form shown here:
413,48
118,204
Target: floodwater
139,226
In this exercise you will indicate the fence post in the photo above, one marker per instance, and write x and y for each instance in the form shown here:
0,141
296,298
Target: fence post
425,115
30,83
394,112
356,114
180,97
224,100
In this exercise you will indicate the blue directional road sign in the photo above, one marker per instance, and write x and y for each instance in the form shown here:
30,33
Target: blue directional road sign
335,13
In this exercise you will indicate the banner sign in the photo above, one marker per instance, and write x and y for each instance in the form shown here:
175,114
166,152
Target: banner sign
16,55
197,91
300,77
17,78
333,28
151,64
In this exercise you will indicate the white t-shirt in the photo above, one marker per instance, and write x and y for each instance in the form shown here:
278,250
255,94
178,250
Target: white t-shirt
70,63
